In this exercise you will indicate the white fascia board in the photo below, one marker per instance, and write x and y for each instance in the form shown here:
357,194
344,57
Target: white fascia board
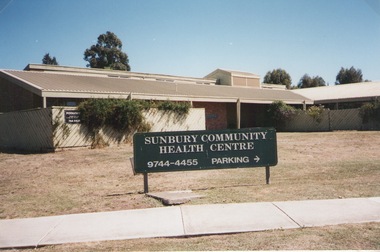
181,98
135,96
68,94
293,102
308,102
339,100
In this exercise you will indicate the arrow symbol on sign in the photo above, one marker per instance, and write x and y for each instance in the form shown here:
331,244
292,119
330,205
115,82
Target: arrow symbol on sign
257,159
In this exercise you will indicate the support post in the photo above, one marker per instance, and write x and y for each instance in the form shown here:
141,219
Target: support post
267,174
44,101
238,113
146,186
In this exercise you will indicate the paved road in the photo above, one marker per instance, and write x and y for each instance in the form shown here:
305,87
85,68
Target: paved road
184,220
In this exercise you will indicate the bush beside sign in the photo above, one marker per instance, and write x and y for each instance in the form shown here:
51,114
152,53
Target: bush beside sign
198,150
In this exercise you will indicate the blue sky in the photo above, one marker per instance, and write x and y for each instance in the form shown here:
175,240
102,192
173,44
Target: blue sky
195,37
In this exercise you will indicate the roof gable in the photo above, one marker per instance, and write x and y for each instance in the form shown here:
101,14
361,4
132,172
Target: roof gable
232,73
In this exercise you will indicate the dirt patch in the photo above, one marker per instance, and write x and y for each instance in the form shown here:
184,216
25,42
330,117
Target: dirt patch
311,166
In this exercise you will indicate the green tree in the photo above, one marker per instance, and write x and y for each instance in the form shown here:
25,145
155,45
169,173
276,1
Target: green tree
306,81
278,76
107,53
351,75
47,60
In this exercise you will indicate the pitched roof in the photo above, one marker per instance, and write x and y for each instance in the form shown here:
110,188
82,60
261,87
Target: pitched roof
363,91
116,73
86,85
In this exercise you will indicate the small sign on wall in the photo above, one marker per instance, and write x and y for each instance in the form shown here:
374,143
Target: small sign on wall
72,116
211,116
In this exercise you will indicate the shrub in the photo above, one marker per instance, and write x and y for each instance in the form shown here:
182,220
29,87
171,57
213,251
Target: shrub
370,111
94,113
315,112
181,108
280,112
123,115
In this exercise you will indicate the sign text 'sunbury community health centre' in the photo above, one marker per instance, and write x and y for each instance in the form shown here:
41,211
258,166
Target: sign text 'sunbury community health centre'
195,143
194,150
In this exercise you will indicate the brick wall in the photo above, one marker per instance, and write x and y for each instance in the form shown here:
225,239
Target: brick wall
216,114
254,115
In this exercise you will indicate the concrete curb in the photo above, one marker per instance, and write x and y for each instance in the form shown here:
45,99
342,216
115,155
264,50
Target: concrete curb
185,221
